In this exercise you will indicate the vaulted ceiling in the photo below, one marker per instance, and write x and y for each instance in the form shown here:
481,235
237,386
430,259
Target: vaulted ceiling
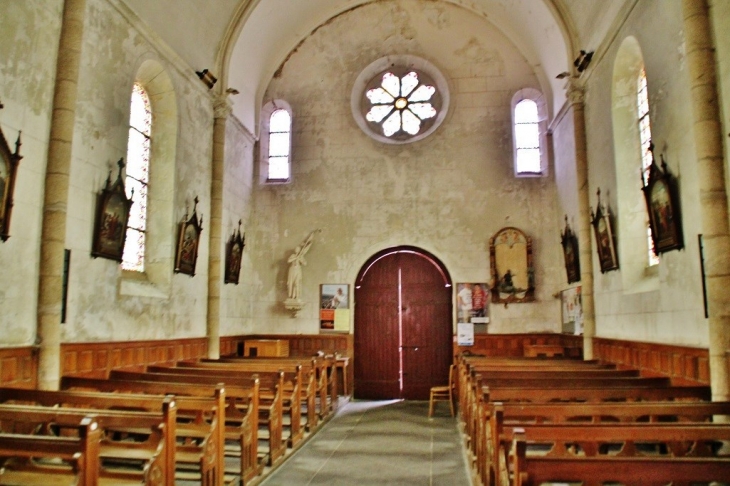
244,42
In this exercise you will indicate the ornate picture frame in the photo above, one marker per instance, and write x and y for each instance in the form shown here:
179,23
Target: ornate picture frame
605,239
8,171
188,240
569,241
513,273
234,252
661,193
112,215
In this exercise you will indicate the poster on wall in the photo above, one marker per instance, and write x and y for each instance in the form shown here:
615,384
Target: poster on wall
472,305
334,307
465,334
572,310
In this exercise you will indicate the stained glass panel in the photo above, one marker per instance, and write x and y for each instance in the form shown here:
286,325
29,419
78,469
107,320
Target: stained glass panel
379,96
423,93
423,110
278,168
407,83
411,123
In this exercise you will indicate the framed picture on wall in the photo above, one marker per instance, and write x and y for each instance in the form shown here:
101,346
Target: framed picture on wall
188,239
8,170
570,253
112,214
334,307
234,253
661,193
605,240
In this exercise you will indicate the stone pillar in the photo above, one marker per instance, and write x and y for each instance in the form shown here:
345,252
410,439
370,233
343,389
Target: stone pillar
713,193
215,266
55,197
576,98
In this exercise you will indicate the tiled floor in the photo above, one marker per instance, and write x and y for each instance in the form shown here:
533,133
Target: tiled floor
380,443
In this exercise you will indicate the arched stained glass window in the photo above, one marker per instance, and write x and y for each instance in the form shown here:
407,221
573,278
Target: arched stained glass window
137,180
527,138
642,99
279,146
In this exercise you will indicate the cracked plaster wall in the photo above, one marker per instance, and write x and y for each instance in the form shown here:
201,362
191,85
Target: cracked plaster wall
447,194
673,312
29,33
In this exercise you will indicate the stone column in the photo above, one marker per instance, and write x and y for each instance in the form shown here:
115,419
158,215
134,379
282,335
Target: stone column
222,110
576,98
713,193
55,197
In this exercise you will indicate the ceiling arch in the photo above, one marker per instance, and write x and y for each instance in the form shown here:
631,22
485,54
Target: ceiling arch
262,33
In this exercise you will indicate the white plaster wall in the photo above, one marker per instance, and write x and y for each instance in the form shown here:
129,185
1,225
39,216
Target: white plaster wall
235,313
114,47
29,32
672,314
447,194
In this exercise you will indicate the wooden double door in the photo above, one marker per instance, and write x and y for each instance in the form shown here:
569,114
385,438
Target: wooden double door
403,326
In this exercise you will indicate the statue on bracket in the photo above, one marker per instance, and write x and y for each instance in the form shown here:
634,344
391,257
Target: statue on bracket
294,301
8,169
112,214
188,240
513,273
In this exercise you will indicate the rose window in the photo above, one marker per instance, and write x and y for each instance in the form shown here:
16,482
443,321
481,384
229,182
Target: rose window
400,104
399,99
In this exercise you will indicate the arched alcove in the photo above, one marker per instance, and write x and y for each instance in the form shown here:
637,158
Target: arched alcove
633,249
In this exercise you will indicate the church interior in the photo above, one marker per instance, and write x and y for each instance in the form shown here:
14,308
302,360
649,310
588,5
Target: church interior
389,183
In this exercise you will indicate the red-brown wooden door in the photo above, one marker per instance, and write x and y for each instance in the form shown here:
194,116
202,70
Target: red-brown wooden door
403,328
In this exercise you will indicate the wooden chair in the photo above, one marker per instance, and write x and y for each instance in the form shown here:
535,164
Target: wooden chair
443,392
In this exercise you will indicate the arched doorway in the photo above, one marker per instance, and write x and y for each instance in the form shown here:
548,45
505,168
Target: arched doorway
403,325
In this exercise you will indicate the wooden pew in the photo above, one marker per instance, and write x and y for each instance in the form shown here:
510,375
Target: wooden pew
238,392
503,418
120,461
292,384
324,370
80,454
595,470
200,428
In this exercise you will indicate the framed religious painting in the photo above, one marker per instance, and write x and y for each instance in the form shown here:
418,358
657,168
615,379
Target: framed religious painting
605,239
8,169
661,193
569,242
513,273
234,252
112,214
188,239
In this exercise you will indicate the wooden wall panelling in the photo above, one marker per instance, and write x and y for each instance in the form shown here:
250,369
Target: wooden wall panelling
98,359
19,367
682,363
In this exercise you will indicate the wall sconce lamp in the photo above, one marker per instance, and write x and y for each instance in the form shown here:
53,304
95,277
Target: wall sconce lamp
207,78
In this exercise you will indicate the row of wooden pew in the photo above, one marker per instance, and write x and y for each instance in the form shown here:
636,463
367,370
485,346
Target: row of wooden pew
529,421
216,422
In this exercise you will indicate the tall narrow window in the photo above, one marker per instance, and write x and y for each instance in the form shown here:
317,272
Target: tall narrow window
279,146
138,162
642,99
529,133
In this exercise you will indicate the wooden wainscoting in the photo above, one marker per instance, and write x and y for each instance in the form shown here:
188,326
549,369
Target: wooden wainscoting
96,360
513,345
19,367
681,363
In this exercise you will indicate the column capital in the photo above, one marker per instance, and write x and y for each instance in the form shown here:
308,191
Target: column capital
222,106
576,92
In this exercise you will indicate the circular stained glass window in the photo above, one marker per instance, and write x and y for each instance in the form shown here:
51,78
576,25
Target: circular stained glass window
399,99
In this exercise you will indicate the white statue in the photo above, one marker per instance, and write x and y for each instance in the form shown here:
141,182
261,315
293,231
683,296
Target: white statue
296,260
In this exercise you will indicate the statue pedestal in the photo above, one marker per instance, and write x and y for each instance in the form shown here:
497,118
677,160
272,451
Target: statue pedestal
294,306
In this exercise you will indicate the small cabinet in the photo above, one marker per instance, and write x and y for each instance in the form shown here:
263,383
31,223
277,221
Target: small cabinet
266,348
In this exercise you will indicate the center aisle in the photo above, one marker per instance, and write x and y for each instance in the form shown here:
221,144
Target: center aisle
383,442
